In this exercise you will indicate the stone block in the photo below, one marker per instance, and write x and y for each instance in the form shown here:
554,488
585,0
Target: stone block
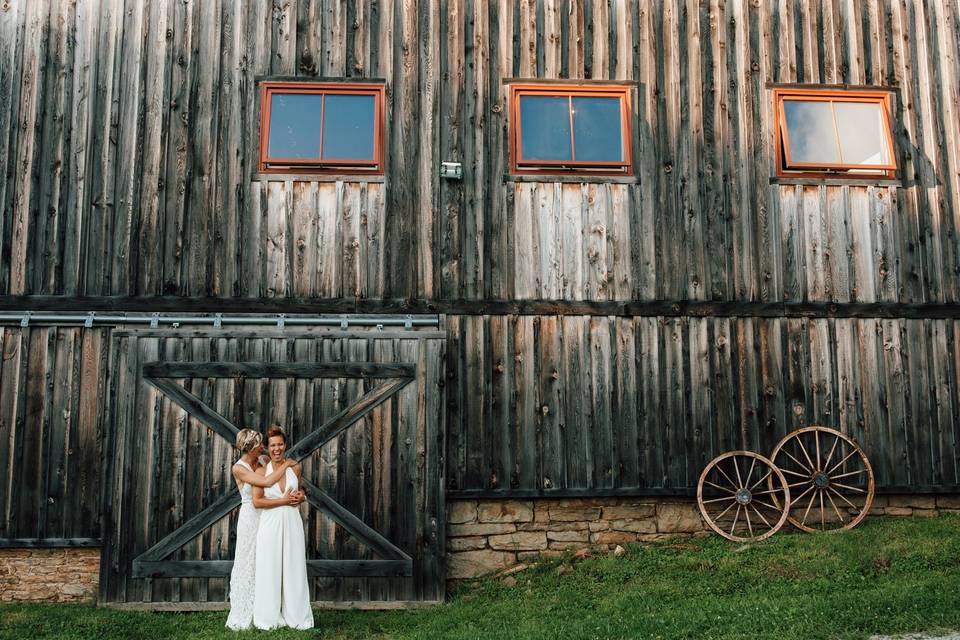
541,512
479,529
462,511
612,537
924,513
678,518
470,564
629,511
948,502
574,514
636,526
543,554
568,536
599,525
916,502
898,511
505,511
519,541
570,544
466,544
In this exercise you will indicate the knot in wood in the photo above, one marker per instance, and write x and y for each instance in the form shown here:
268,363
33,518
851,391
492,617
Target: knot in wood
721,341
496,108
544,409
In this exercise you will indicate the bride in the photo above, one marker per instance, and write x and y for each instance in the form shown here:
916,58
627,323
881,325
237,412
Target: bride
241,577
282,593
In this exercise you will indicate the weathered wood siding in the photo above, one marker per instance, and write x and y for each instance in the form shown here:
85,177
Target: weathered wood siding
52,385
129,148
128,152
594,404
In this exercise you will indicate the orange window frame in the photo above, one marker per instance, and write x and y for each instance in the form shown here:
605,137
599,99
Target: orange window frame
520,166
787,168
373,166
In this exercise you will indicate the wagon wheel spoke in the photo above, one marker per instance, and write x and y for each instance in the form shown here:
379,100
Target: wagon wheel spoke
746,513
823,523
800,497
767,505
736,468
757,483
849,488
800,464
753,463
799,484
807,512
843,497
845,458
721,499
716,486
724,474
765,521
794,473
760,493
816,441
849,473
806,455
836,441
834,505
723,513
735,517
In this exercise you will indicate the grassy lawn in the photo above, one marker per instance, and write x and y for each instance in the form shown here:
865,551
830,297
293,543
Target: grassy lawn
884,577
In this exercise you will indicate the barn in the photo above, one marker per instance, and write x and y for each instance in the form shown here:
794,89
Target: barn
511,273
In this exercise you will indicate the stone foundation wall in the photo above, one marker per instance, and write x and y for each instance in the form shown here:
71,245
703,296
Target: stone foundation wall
484,536
51,575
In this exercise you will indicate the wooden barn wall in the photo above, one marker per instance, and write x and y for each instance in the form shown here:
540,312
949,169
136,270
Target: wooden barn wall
129,146
595,404
52,385
127,158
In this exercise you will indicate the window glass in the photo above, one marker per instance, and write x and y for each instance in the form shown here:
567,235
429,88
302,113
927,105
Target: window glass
597,127
348,128
862,133
813,137
545,128
294,126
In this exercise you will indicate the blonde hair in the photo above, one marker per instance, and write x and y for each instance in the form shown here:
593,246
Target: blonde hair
248,440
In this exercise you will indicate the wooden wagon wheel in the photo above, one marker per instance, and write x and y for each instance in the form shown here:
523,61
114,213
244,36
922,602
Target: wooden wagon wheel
829,476
743,496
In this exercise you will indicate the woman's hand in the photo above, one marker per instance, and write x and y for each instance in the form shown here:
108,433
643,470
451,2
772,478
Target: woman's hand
294,498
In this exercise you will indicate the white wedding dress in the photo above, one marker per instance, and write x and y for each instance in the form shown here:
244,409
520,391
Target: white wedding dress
242,576
282,593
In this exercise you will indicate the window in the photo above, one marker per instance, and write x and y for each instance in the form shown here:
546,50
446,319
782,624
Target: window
578,129
834,133
309,127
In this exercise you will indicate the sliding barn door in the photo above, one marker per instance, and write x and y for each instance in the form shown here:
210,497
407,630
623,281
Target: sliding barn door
364,412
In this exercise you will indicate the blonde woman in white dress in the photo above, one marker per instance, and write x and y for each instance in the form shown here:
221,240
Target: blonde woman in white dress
282,593
249,442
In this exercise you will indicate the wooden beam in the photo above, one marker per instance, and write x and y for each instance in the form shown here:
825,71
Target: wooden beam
359,529
360,605
329,429
627,308
48,543
322,568
196,407
277,370
191,528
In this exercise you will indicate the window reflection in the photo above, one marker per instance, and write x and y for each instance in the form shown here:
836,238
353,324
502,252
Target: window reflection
813,137
545,128
294,126
348,127
597,129
861,129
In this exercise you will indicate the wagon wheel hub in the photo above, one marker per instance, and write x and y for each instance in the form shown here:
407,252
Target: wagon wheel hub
821,480
744,496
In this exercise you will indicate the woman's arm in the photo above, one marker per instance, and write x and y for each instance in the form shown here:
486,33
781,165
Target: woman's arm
288,499
254,478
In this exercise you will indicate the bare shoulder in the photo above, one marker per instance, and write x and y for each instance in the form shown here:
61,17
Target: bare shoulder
296,468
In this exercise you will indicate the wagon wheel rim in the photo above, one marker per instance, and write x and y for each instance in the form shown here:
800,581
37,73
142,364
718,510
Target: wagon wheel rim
830,477
734,496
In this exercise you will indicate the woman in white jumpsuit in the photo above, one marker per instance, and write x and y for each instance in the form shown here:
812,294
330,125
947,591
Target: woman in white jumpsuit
282,593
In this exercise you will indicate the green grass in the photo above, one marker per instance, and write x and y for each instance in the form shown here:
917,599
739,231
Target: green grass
884,577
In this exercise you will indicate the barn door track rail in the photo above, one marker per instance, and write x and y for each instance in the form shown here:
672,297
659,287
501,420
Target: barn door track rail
216,320
161,375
